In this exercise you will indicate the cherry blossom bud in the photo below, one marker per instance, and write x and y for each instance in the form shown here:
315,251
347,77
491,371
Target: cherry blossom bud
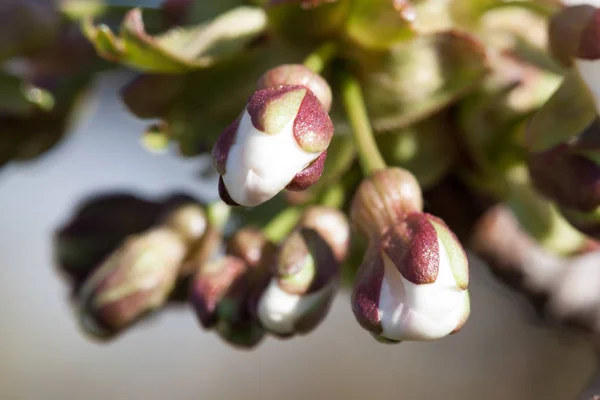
573,39
569,173
135,279
223,291
332,225
412,284
306,273
220,296
279,141
189,221
298,74
305,280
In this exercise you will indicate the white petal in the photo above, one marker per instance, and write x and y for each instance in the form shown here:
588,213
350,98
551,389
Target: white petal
260,165
420,312
278,311
590,72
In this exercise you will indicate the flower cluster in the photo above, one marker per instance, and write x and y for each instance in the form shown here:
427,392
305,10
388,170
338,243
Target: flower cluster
439,107
258,287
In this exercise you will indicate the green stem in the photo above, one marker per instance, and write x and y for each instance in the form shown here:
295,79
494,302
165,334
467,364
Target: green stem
282,224
218,214
371,159
334,196
318,59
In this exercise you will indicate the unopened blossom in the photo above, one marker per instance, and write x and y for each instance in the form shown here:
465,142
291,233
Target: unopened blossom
279,141
222,290
412,283
306,274
568,173
574,34
135,279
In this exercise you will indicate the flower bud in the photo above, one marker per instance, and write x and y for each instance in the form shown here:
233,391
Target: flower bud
385,198
332,225
248,244
220,296
412,284
573,39
135,279
298,74
189,221
566,177
279,140
305,280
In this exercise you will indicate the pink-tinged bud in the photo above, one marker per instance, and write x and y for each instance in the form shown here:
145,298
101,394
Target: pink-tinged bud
332,225
250,245
135,279
298,75
570,179
574,40
220,295
566,31
383,199
211,284
412,284
189,221
305,280
276,142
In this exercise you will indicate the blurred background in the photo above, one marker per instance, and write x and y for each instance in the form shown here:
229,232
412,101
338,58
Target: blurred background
502,353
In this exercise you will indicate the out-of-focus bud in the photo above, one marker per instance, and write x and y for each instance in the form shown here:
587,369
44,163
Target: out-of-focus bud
568,178
249,244
223,291
189,221
97,227
26,25
573,39
332,225
306,274
203,232
384,199
135,279
412,284
220,297
279,141
298,74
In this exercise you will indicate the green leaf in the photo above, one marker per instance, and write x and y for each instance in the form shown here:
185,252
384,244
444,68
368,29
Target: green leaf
468,13
179,50
420,77
308,26
566,114
197,106
379,24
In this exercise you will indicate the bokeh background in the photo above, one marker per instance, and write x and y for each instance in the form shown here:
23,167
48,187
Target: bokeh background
502,353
